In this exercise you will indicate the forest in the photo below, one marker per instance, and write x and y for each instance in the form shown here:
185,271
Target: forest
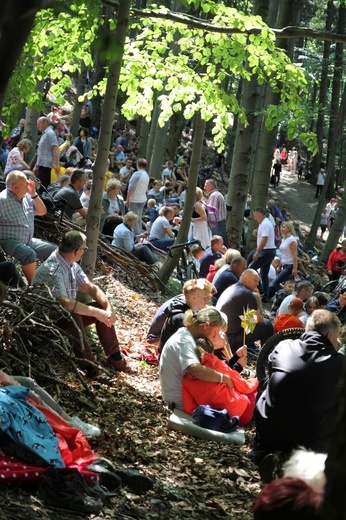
236,72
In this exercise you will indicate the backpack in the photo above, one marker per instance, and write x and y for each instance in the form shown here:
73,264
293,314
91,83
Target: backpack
212,215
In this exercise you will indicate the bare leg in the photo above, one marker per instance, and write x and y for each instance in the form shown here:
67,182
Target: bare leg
29,271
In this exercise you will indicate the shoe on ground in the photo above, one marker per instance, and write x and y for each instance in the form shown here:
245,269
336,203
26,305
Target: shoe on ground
108,478
135,480
57,489
268,467
88,429
120,365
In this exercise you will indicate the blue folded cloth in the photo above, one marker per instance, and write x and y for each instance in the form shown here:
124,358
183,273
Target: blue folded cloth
218,420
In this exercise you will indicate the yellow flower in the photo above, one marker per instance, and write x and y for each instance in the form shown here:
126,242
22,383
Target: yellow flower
248,320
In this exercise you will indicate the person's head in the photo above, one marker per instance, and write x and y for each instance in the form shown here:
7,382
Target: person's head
87,187
142,164
151,203
276,263
259,214
289,286
63,180
295,307
199,194
323,298
343,246
311,305
73,245
17,183
288,498
198,293
157,185
238,266
197,251
307,465
205,323
22,123
78,179
24,145
325,323
167,212
304,290
169,164
287,228
130,219
250,279
83,132
324,211
43,123
113,187
128,163
203,345
216,243
230,254
210,185
342,298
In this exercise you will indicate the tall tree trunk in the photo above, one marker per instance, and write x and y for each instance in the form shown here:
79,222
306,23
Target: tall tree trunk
153,128
316,162
81,82
143,136
176,127
267,137
171,261
30,132
16,20
334,105
110,99
158,154
244,149
331,242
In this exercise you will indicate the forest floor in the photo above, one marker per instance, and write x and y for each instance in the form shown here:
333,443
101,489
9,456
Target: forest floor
193,478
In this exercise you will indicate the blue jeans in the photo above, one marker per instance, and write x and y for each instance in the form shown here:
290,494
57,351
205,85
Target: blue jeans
281,278
263,262
163,243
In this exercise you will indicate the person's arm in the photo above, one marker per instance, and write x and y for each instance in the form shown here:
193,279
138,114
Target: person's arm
83,212
209,375
260,247
132,187
330,262
7,380
293,248
39,205
169,232
73,306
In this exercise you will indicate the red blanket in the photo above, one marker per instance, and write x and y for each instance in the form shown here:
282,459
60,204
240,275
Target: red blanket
240,401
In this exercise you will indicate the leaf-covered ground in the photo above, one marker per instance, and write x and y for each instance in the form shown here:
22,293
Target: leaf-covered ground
193,478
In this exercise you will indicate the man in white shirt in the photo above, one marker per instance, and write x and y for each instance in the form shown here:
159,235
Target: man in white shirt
137,193
265,250
167,174
126,171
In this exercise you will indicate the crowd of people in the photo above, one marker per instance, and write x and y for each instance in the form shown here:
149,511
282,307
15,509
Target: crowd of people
200,334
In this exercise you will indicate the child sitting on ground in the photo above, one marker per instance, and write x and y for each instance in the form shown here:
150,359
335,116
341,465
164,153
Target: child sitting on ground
287,289
239,401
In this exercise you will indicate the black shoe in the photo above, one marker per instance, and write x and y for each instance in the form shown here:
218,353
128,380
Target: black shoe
268,467
108,478
134,480
58,489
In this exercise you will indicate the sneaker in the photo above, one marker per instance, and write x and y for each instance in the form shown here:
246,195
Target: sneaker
88,429
58,489
120,365
268,467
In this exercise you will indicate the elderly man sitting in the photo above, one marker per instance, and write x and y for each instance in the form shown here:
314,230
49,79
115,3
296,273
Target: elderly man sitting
234,301
19,203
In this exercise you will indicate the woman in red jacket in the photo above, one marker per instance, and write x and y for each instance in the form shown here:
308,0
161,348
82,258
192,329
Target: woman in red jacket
337,261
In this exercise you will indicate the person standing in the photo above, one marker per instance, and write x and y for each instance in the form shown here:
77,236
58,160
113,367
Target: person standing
216,199
265,251
136,194
47,152
320,182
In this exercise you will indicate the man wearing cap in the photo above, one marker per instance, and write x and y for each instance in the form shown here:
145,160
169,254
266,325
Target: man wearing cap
291,319
298,406
265,251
